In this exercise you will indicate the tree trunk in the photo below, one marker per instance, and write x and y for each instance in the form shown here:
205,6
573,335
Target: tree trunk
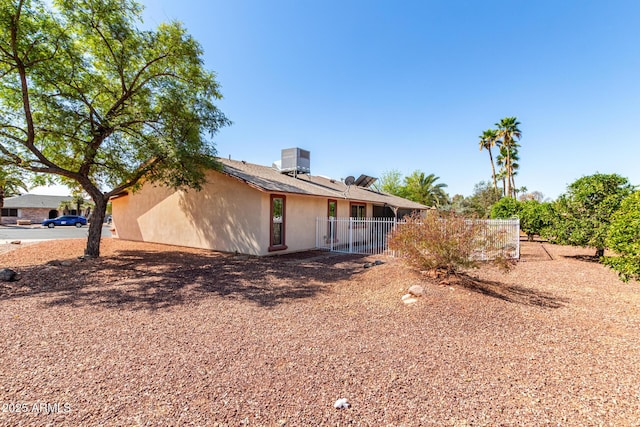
1,196
599,252
508,167
95,227
493,170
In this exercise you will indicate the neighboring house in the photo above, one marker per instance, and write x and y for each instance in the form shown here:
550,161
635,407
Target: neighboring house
250,209
33,207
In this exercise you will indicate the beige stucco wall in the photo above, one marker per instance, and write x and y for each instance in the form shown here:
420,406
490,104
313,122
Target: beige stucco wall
225,215
300,226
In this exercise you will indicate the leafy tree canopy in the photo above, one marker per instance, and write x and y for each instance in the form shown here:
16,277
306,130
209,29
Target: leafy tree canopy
535,217
88,97
624,238
505,208
418,187
480,202
423,189
391,183
583,213
12,182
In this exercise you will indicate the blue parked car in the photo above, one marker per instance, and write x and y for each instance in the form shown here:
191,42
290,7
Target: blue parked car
76,220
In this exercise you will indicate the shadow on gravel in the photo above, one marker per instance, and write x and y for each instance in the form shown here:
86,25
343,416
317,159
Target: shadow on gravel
137,280
586,258
510,293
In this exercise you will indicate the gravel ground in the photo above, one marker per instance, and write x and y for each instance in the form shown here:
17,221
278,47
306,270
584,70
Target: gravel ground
159,335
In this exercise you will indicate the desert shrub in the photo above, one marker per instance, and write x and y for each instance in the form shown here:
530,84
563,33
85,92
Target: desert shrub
624,238
442,242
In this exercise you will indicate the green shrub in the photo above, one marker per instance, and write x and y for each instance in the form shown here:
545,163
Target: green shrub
534,217
583,214
624,238
505,208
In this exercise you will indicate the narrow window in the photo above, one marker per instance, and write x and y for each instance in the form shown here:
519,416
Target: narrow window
277,233
332,212
332,209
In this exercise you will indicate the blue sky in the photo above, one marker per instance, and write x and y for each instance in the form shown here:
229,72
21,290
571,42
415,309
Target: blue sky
369,86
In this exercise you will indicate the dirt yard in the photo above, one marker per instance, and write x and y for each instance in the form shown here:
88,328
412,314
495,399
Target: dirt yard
159,335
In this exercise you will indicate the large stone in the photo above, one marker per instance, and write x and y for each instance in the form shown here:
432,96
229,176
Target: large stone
8,275
416,290
408,299
342,403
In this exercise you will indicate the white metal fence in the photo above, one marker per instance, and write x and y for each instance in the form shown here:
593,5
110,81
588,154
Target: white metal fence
369,236
501,238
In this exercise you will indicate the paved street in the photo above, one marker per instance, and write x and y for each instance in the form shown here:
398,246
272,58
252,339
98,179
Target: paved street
9,233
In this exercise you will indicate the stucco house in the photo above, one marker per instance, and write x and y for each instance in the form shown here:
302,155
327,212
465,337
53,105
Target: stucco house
32,207
251,209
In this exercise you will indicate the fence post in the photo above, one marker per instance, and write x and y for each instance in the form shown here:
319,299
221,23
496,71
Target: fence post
351,225
518,238
331,225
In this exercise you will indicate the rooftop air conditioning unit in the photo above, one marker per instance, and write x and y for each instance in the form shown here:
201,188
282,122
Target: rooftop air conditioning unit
295,160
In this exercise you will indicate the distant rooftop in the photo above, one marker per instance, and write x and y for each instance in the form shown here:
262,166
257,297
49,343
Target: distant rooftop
35,201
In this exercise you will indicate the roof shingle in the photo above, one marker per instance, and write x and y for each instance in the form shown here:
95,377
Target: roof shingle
268,179
35,201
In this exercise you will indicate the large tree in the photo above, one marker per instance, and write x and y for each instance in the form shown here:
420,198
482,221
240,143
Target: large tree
87,96
583,214
391,182
480,202
508,134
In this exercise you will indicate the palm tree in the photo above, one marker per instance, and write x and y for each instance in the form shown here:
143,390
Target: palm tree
488,140
502,173
508,159
423,189
508,133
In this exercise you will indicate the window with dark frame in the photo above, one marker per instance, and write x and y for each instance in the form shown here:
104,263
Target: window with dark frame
332,212
332,208
358,210
9,212
277,229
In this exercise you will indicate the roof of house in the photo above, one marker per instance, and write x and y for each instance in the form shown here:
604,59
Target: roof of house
268,179
35,201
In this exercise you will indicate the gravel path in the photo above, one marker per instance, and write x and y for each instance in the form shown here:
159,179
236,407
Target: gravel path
159,335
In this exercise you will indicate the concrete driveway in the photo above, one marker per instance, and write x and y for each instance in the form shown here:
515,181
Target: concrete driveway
9,233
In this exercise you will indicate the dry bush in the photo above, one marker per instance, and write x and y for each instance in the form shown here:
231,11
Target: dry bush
441,242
